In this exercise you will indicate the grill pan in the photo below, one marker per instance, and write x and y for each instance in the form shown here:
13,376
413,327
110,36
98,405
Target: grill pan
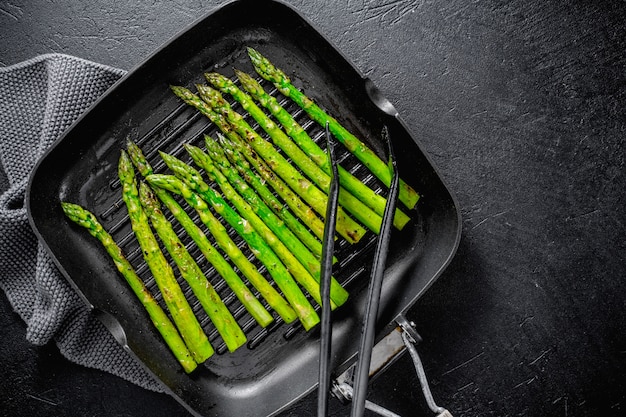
279,365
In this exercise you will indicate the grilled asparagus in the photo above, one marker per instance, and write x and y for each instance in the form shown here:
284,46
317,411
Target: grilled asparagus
177,304
349,202
268,71
198,199
210,300
159,318
245,296
312,149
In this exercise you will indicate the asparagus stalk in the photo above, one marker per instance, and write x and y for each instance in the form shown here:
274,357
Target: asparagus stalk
237,148
264,192
312,149
304,266
378,167
347,227
299,207
159,318
279,164
177,304
251,214
198,199
210,300
349,202
245,296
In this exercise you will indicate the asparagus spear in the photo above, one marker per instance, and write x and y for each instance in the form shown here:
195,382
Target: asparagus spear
279,164
158,317
268,197
349,202
210,300
304,266
177,304
245,296
299,207
249,213
347,227
237,148
379,168
198,199
312,149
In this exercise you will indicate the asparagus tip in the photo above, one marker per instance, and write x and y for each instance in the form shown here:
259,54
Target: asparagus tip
182,92
125,166
193,151
131,146
166,155
71,210
200,158
249,83
145,190
215,77
253,53
170,160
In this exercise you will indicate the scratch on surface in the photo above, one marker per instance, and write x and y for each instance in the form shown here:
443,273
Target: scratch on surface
400,8
538,358
11,15
526,382
459,390
404,11
473,358
489,217
461,10
115,39
583,215
564,398
465,387
56,44
526,320
480,113
43,400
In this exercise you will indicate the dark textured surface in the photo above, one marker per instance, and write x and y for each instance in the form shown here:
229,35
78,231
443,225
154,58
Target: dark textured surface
521,106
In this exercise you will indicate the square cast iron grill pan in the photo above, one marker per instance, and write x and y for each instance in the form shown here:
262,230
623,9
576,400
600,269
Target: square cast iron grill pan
279,364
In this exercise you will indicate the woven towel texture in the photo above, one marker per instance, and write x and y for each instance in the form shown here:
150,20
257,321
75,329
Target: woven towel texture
39,100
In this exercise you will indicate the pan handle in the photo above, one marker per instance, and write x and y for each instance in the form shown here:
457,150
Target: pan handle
402,338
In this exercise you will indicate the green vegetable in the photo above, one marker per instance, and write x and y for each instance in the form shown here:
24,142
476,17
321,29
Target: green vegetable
312,149
219,155
198,199
378,167
210,300
349,202
214,107
236,148
177,304
302,264
187,173
158,317
245,296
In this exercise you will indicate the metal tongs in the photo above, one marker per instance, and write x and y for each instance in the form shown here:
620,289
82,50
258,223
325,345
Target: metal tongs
328,248
368,332
373,296
358,394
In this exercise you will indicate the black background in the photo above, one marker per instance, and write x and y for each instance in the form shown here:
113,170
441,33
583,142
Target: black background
521,106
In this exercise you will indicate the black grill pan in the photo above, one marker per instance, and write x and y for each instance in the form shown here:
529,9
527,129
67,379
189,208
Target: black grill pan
279,364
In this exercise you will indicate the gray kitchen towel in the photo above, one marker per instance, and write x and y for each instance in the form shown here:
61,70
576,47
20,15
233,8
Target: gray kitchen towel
39,100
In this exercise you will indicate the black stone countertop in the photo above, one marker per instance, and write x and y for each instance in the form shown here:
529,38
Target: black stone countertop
521,105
